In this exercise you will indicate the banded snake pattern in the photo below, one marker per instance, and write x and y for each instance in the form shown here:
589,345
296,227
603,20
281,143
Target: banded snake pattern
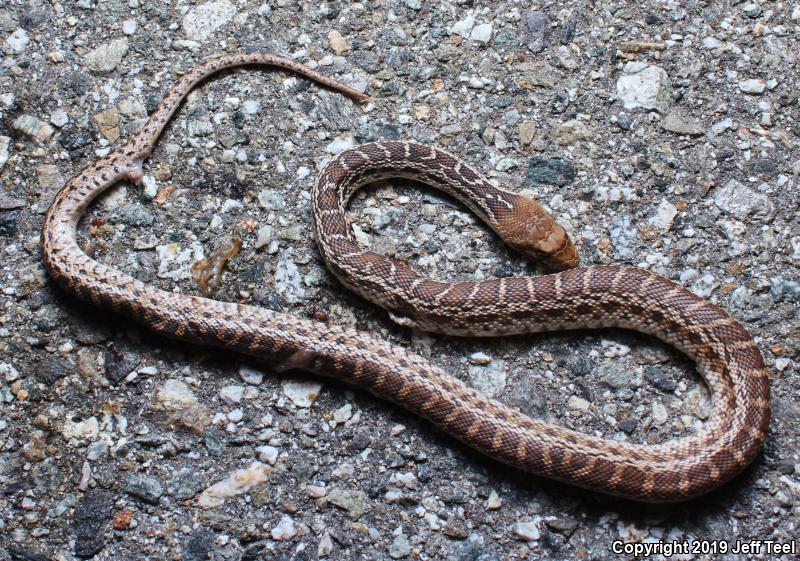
573,298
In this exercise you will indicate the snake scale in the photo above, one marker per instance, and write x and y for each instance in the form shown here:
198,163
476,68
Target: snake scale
574,298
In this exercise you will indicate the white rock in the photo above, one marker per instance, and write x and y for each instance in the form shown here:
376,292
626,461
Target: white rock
175,395
59,118
711,43
33,127
643,85
107,56
201,22
362,238
285,530
264,236
480,358
527,530
577,403
8,372
325,546
231,394
16,43
129,26
705,286
302,393
464,26
665,214
697,402
494,501
659,413
288,282
238,482
722,126
5,141
340,144
337,43
250,375
755,86
343,413
86,430
251,107
174,262
482,33
268,454
475,82
490,380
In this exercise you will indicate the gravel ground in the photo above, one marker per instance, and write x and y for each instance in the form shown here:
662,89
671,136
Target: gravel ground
663,135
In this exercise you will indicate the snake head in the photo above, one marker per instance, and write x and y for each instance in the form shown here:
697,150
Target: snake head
531,230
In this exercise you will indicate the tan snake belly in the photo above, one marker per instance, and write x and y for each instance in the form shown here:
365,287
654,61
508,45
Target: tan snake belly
726,355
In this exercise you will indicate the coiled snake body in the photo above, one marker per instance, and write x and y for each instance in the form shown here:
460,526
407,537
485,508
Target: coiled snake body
594,297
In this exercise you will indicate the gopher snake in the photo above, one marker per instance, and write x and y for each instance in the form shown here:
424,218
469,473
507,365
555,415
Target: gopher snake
595,297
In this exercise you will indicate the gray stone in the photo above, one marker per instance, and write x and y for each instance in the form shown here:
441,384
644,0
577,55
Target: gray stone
33,127
187,483
268,454
659,413
549,172
231,394
784,290
145,487
571,131
89,520
288,281
8,223
107,56
16,43
657,377
623,236
202,21
679,124
537,23
5,142
134,214
464,26
624,121
613,375
271,199
197,547
527,530
199,127
742,202
354,502
96,450
340,144
400,547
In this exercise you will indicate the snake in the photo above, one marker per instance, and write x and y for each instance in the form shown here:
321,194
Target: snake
567,297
